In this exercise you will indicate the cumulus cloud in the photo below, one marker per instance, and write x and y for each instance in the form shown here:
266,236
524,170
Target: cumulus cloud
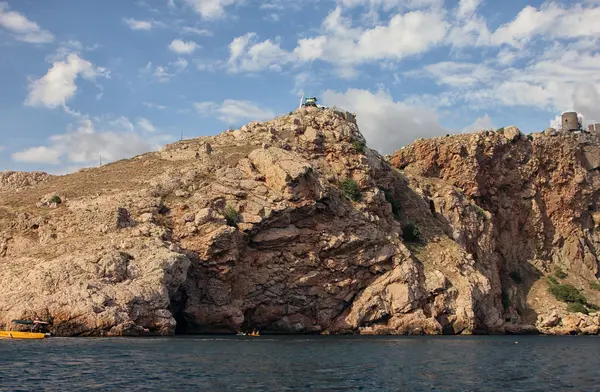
83,143
234,111
385,123
135,24
58,85
22,28
344,45
211,9
482,123
183,47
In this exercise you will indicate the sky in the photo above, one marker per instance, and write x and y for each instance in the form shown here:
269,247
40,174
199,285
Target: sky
84,81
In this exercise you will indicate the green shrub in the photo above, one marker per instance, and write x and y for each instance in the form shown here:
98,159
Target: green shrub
480,211
358,146
500,130
576,307
595,286
350,189
231,215
410,232
552,279
560,274
516,277
530,138
396,207
567,293
55,199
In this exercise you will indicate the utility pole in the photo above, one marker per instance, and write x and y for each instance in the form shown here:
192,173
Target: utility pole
100,159
301,100
181,137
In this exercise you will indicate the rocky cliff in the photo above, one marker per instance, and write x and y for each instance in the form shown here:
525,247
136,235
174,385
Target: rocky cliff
536,223
294,225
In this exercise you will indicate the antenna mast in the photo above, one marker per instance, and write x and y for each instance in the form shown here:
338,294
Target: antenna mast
301,100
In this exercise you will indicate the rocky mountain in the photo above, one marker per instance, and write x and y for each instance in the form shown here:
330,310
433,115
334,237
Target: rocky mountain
294,225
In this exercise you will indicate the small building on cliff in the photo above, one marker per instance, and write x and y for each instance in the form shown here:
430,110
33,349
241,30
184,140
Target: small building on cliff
570,121
594,127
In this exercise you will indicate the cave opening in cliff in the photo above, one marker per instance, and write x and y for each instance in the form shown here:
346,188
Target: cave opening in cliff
178,302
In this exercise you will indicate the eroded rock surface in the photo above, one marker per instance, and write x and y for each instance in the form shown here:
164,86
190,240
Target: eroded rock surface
288,226
524,207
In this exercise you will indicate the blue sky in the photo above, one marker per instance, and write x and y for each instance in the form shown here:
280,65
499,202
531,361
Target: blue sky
117,78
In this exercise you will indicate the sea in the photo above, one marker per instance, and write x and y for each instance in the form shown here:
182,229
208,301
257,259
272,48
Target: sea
303,363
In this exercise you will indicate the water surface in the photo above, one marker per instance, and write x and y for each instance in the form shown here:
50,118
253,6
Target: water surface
301,363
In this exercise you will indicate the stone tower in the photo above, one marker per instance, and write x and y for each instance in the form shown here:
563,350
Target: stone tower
570,121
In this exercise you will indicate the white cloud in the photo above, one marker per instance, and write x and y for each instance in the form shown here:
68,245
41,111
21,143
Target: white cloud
135,24
171,4
58,86
22,28
145,125
152,105
482,123
196,30
84,143
341,44
386,124
233,111
551,20
2,148
164,73
211,9
245,54
183,47
38,155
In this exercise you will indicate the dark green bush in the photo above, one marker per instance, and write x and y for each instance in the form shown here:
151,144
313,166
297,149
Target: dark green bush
576,307
560,274
410,232
358,146
350,189
567,293
500,130
55,199
516,277
231,216
552,279
595,286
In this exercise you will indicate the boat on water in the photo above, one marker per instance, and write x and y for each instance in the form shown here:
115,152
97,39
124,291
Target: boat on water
254,333
36,330
241,333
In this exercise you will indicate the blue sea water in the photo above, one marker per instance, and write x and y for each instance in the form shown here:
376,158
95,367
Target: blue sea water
302,363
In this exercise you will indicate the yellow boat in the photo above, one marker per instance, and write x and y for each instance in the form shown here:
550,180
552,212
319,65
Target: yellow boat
254,333
21,335
34,332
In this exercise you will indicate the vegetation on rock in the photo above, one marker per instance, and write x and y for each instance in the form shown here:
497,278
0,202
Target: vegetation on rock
350,189
231,215
411,233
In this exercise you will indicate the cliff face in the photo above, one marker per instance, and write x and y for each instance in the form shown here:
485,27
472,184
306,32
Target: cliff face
538,197
294,226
